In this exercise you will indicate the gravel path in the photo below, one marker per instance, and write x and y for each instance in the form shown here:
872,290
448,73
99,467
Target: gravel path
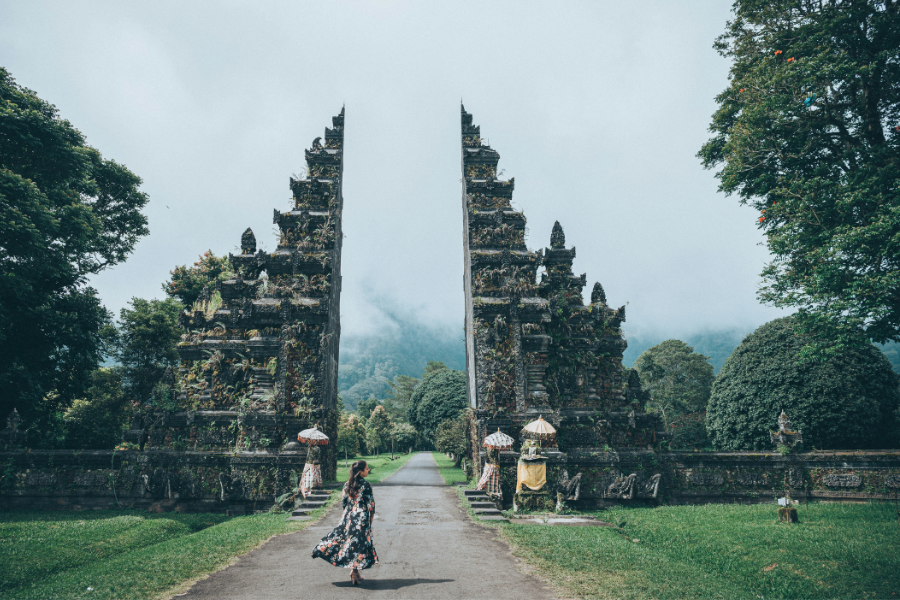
427,548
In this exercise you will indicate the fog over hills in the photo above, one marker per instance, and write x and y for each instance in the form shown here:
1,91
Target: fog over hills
368,362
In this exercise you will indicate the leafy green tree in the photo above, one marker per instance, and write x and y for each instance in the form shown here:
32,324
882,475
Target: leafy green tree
848,401
440,396
450,437
96,421
402,388
404,436
66,213
374,441
381,422
434,366
348,441
148,338
808,133
678,379
366,407
186,283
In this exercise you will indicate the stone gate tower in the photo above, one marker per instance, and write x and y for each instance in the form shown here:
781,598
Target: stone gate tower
532,346
260,361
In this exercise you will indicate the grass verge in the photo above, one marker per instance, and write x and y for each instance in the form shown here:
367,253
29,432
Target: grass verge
120,555
450,473
720,551
381,466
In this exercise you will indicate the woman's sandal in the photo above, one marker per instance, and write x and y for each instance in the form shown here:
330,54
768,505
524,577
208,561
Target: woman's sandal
354,577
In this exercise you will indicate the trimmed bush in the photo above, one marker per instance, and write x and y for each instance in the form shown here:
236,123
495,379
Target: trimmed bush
848,401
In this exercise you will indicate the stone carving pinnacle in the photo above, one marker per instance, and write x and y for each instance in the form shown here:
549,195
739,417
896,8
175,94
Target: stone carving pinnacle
248,242
557,237
597,294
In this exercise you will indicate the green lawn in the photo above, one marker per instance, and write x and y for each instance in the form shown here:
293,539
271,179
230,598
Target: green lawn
450,473
133,554
122,554
721,551
381,466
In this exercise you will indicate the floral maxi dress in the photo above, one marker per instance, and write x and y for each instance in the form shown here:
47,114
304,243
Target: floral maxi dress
349,545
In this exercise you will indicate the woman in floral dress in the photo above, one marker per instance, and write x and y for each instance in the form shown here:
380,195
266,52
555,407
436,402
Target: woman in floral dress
349,545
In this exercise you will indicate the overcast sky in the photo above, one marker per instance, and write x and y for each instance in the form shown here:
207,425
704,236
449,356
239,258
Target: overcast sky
597,108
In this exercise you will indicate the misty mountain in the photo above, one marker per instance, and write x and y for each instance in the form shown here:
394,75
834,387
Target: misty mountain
369,362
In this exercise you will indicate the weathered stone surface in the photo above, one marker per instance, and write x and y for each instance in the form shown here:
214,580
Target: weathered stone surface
705,478
847,481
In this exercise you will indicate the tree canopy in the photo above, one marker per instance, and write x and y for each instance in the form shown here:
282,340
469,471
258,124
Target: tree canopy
65,213
848,401
678,379
185,283
808,133
148,336
440,396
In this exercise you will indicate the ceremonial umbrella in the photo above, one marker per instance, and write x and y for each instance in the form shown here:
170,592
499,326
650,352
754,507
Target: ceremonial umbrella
313,437
541,428
498,440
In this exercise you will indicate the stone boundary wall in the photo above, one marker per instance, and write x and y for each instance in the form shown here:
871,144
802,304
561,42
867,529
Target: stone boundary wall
158,480
163,480
717,477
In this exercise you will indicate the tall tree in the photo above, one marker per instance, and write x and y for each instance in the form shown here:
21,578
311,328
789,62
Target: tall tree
441,396
381,423
97,420
65,213
148,338
808,133
348,439
185,283
678,379
401,390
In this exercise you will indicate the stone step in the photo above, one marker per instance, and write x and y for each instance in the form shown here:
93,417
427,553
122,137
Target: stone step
311,505
474,492
299,512
486,511
482,505
333,486
317,497
299,518
498,518
478,499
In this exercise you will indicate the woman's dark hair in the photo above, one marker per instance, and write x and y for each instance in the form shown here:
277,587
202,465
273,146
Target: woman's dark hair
353,483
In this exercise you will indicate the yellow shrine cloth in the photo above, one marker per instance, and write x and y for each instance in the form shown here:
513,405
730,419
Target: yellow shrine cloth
532,475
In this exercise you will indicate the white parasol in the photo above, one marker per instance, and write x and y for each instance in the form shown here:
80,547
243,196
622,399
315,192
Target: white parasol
541,428
498,440
313,437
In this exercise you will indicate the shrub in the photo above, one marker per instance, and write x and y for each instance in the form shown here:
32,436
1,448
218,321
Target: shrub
846,401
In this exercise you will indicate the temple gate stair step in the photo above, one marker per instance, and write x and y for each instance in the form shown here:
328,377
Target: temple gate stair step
317,497
482,504
487,511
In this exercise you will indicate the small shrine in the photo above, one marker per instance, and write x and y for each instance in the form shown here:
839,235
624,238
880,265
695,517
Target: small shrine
784,437
12,436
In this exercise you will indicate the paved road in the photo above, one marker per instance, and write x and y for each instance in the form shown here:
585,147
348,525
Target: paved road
427,548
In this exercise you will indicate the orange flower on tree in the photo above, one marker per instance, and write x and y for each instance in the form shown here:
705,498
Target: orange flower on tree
777,52
791,59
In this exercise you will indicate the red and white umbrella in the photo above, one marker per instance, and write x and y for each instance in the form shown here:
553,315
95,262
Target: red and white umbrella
313,437
498,440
